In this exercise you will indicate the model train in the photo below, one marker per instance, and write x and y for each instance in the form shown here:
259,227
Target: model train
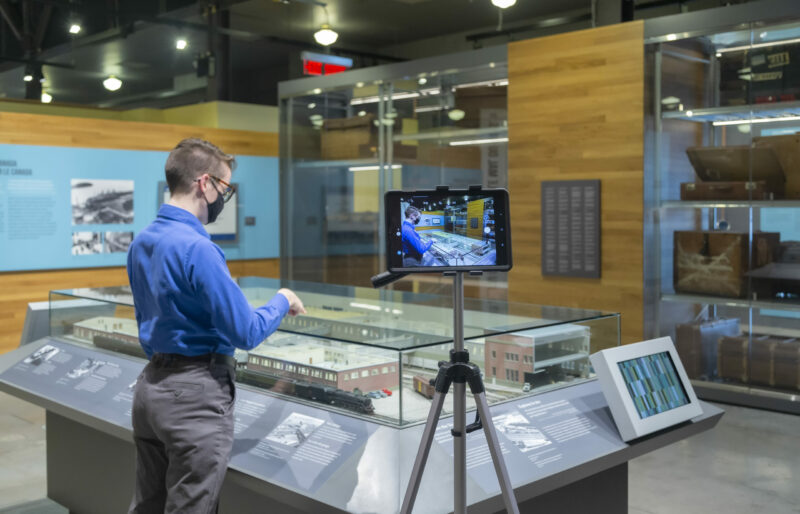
307,390
424,387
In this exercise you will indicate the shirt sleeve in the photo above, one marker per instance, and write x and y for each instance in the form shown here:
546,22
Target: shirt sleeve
410,235
148,350
229,311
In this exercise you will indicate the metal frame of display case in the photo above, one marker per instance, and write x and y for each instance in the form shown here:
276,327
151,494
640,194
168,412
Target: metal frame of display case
657,33
384,77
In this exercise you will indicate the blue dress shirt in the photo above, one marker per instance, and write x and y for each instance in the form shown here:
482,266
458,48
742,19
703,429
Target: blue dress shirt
412,244
186,301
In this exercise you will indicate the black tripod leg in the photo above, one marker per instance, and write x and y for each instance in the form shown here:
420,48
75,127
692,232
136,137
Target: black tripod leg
497,455
422,453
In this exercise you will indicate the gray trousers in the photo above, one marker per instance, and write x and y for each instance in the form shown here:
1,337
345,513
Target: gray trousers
183,431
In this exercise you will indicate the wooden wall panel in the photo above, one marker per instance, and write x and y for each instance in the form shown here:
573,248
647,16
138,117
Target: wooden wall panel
19,288
576,111
44,130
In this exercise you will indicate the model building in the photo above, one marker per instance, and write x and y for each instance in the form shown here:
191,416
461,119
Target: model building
121,329
344,368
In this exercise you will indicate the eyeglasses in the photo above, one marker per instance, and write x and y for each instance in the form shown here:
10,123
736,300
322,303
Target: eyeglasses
229,190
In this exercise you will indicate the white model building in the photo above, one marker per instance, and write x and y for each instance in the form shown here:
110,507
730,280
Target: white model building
347,368
121,329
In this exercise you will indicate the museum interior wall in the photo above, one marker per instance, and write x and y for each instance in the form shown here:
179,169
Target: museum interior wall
80,134
575,111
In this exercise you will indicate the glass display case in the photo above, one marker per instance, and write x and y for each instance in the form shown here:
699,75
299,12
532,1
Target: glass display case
724,208
348,138
373,353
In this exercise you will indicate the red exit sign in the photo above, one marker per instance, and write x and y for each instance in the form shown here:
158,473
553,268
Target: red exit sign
324,64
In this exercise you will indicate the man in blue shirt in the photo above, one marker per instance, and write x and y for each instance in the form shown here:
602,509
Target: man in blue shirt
413,247
191,317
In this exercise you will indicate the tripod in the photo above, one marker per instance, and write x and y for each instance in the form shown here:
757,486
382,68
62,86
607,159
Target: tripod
459,372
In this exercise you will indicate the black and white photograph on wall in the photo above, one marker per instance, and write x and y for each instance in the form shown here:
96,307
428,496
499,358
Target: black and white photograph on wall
86,243
294,430
518,429
117,242
101,201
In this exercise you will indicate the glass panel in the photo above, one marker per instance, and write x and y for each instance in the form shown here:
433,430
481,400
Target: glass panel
728,189
344,147
367,352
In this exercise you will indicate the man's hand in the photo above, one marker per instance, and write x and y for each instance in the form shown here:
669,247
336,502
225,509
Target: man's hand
295,305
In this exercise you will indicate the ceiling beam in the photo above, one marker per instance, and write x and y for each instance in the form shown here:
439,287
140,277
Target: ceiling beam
10,16
41,27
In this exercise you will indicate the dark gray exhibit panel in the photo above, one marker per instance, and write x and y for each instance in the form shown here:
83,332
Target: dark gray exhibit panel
561,447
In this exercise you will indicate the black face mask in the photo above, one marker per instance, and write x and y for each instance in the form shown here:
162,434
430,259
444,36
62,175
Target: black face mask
214,208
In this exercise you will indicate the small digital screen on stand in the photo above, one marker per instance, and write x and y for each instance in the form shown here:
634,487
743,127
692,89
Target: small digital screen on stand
653,384
448,231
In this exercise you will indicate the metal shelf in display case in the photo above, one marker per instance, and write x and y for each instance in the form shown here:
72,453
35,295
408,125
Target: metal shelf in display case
739,114
732,204
359,351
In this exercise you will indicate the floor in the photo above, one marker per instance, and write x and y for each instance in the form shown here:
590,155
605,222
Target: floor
749,463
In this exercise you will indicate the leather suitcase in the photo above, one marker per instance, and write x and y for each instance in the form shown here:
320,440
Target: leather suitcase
726,191
762,360
696,343
787,148
716,262
787,364
741,163
732,358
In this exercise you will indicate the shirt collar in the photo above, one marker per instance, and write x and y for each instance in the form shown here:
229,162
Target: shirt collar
173,213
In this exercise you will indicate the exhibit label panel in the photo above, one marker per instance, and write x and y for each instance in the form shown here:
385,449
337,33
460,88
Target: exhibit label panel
571,228
81,207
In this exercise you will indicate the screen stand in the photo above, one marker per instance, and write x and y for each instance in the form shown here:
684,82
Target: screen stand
459,371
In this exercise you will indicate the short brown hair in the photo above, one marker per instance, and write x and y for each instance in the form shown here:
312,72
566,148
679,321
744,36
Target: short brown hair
191,158
411,210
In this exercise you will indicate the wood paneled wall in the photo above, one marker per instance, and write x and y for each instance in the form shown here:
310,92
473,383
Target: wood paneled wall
34,286
39,129
19,288
575,108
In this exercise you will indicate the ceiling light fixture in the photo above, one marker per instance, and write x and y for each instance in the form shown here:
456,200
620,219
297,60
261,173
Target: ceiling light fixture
181,44
326,36
374,168
74,28
28,77
503,4
46,98
479,141
758,45
755,120
112,83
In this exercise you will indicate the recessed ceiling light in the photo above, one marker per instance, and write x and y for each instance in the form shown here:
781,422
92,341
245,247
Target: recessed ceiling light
28,77
672,37
359,84
422,81
317,91
46,98
181,44
74,28
312,105
503,4
112,83
326,36
362,113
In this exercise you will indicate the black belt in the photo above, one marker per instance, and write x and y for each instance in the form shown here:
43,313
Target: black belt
176,359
